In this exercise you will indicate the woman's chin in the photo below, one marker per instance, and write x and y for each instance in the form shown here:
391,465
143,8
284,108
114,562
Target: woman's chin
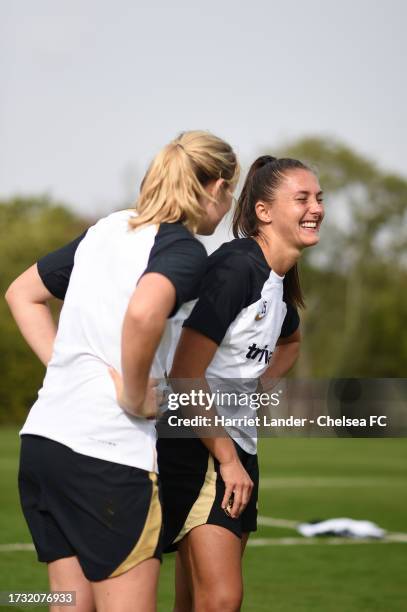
309,238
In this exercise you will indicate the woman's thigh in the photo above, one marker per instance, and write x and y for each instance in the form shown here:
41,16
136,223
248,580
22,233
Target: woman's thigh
67,575
212,557
133,591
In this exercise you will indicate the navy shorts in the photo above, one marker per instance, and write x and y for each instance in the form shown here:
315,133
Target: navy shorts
106,514
192,490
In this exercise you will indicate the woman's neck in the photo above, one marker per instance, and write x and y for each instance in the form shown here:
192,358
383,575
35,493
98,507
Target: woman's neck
278,255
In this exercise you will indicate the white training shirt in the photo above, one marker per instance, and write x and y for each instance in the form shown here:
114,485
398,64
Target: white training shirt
242,308
77,405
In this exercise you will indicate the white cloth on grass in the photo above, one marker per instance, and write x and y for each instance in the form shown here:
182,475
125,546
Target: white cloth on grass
342,527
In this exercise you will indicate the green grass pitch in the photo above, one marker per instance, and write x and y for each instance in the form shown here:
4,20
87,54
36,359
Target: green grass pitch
302,479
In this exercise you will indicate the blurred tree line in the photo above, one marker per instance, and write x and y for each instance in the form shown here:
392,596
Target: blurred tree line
355,280
355,323
30,227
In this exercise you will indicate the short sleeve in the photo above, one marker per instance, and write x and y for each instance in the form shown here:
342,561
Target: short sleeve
224,293
181,258
55,268
291,322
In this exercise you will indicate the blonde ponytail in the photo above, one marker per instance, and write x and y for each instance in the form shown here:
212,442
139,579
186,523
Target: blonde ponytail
176,179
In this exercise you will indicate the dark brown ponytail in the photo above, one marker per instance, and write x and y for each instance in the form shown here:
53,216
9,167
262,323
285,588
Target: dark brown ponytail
262,181
245,222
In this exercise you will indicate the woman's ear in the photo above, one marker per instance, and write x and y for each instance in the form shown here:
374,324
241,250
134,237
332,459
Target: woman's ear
263,212
214,187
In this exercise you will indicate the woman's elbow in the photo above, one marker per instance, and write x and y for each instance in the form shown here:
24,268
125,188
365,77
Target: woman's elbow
28,288
12,292
146,319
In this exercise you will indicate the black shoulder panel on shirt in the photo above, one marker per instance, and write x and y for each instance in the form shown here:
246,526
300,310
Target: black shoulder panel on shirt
235,276
228,287
55,268
291,321
179,256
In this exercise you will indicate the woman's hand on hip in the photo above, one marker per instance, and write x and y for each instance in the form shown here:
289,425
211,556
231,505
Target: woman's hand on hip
148,408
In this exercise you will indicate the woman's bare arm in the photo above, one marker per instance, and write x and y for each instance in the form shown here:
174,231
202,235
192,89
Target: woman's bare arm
284,357
149,308
28,298
192,357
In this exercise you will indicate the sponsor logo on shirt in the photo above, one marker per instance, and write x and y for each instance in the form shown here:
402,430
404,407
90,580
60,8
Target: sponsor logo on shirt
261,354
262,311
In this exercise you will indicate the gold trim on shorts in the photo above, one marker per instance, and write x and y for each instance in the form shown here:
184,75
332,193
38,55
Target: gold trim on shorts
199,513
148,540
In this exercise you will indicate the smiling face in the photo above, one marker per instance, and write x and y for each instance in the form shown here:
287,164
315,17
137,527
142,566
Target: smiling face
297,210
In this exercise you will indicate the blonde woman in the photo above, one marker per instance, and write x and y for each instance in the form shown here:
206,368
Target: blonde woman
88,461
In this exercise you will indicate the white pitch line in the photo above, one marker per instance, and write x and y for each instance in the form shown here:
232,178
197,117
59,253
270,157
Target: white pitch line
268,521
15,547
316,541
396,537
260,542
329,483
